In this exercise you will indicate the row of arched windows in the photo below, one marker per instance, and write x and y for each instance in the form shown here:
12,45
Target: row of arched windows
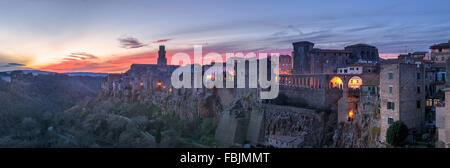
301,81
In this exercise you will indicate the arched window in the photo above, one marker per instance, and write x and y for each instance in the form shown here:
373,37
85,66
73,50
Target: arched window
355,82
336,82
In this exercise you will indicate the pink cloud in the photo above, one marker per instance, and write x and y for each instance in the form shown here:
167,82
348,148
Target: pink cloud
161,40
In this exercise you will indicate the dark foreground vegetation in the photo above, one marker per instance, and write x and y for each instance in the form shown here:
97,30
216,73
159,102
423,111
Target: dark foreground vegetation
62,111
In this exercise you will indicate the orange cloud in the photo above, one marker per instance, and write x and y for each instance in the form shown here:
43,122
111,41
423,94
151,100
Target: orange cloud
115,65
83,62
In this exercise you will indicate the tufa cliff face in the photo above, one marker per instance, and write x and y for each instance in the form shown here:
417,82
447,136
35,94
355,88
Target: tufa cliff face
151,84
241,117
361,133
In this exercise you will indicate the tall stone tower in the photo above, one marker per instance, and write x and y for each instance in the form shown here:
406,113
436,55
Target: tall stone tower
162,55
302,57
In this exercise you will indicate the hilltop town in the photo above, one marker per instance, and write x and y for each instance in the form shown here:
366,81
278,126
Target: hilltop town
351,88
328,98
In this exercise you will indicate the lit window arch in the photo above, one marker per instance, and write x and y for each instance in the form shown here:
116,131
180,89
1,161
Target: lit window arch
355,82
336,82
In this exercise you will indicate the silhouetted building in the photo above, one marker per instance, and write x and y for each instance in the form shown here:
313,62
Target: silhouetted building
162,55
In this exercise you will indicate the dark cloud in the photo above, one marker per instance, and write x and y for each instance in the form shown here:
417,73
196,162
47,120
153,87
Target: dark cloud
130,42
15,64
12,64
80,56
162,40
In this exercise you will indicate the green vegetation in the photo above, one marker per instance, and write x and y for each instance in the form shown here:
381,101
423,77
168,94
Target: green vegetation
113,124
397,133
64,112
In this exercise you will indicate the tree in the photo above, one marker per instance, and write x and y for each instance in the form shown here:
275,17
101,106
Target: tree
396,133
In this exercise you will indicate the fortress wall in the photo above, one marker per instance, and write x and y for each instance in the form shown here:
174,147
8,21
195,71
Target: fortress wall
305,96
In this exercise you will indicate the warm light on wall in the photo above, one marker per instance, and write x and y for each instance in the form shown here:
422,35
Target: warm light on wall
350,115
159,84
141,84
355,82
336,82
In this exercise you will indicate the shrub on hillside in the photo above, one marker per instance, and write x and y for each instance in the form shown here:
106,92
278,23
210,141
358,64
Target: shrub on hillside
396,133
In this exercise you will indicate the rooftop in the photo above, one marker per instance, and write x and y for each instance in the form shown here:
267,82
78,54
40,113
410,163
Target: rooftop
359,45
441,45
302,42
331,51
285,56
389,61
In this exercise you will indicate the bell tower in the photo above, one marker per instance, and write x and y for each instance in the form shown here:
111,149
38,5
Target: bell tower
162,55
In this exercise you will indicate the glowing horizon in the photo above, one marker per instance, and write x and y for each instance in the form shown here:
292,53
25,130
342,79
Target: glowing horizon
109,36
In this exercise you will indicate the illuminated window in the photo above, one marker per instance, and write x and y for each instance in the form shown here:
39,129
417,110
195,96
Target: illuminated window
336,82
355,82
436,101
429,102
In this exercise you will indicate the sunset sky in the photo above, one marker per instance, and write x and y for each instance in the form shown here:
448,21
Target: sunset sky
109,35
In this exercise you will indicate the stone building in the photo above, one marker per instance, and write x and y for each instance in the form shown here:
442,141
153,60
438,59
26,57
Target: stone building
443,113
434,81
345,80
310,60
402,94
440,52
363,53
285,64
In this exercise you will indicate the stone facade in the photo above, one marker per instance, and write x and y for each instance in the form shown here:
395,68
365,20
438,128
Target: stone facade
363,53
443,114
402,95
310,60
443,124
440,52
285,64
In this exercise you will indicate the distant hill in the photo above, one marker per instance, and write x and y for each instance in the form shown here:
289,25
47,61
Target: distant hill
28,105
86,74
38,72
